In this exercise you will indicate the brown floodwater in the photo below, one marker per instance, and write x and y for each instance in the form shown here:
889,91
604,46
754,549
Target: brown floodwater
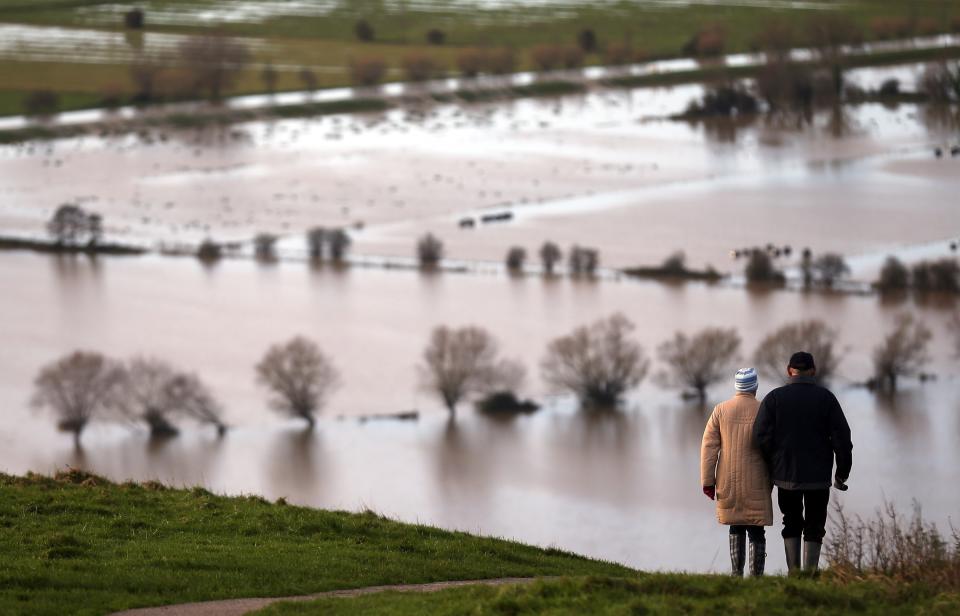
621,486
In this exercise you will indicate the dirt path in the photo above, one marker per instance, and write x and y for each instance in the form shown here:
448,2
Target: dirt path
237,607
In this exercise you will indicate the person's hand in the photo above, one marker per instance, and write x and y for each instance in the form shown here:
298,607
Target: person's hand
840,484
710,491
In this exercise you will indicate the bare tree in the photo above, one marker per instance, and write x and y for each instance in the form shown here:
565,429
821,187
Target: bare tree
308,78
902,353
813,336
191,398
71,224
76,388
429,251
265,247
515,259
701,360
829,35
461,362
269,77
316,238
339,243
829,268
550,255
300,376
214,62
583,261
142,395
598,363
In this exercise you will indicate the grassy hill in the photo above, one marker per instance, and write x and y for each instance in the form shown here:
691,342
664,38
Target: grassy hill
78,544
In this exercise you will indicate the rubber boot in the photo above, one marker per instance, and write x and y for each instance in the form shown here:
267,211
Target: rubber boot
738,553
811,556
791,546
758,557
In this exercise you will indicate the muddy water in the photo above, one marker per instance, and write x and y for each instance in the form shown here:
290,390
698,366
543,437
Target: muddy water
620,486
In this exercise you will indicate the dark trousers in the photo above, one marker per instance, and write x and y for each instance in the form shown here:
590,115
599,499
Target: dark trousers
804,512
756,532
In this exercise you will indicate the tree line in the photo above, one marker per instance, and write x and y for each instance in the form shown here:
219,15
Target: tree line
598,363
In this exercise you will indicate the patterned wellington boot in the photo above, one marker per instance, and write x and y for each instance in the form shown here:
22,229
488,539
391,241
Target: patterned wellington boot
738,553
758,557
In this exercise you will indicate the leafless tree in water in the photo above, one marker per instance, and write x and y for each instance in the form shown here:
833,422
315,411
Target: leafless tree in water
550,255
813,336
76,388
141,395
698,361
193,399
902,353
464,361
214,62
598,363
299,375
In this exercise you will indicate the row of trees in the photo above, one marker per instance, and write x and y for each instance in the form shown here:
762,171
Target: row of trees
941,276
598,363
71,225
824,270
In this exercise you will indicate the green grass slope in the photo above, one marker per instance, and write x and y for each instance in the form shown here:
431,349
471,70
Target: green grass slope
78,544
666,594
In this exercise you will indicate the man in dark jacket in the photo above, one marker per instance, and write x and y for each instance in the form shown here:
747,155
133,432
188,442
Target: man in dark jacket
800,427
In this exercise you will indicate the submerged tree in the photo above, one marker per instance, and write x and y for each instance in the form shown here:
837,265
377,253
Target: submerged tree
71,225
191,398
429,251
829,268
76,388
339,242
142,395
316,238
598,363
516,256
813,336
894,276
550,255
701,360
583,261
902,353
214,62
464,361
300,376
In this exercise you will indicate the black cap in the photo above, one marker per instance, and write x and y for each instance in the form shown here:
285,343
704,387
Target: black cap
801,360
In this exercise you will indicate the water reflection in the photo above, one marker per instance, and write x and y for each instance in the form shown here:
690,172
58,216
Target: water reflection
906,413
296,464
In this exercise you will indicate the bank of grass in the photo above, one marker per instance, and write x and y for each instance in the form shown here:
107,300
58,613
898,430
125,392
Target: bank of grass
78,544
326,43
666,594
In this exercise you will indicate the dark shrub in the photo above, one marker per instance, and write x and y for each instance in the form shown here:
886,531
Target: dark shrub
367,71
894,276
515,259
587,40
264,247
723,101
471,62
420,67
760,270
209,251
134,19
435,36
41,103
546,57
890,87
363,31
506,403
429,251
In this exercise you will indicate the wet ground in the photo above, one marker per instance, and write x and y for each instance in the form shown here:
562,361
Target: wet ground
597,169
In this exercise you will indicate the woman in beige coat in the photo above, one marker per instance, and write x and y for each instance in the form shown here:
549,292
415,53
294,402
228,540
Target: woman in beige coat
733,471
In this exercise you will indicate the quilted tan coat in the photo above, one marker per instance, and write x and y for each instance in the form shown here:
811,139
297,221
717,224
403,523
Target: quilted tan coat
730,460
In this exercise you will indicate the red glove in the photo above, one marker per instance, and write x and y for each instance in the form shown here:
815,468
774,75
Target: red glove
710,491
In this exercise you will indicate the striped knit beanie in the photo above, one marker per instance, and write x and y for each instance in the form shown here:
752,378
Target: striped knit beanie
746,379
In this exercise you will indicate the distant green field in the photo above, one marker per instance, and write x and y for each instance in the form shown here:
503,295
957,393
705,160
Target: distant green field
325,41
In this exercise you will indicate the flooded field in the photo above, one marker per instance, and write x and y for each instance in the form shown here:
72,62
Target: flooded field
603,169
619,486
